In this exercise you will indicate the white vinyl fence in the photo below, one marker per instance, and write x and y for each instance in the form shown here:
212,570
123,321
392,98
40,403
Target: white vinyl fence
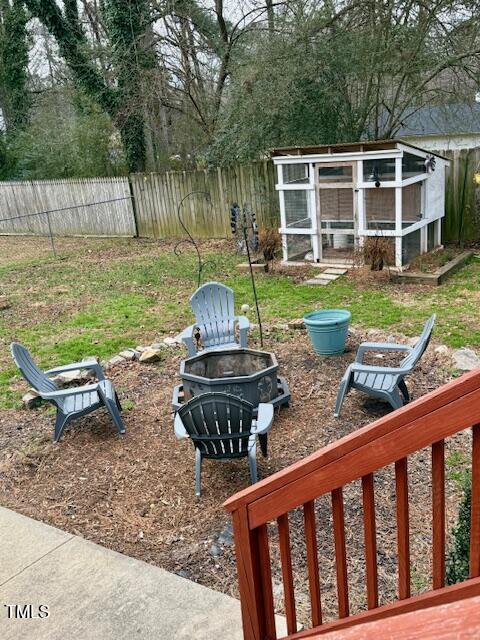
86,207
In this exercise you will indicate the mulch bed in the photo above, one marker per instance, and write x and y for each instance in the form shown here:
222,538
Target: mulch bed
135,494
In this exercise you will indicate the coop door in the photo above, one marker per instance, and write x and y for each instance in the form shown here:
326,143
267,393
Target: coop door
336,211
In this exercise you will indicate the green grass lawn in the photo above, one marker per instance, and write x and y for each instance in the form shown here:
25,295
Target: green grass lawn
106,295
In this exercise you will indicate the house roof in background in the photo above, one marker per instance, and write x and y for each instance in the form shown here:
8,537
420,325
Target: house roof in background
441,120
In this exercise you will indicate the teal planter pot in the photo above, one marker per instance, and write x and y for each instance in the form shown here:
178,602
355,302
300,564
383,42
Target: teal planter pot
328,330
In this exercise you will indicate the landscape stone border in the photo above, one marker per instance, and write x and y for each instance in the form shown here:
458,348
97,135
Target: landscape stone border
462,359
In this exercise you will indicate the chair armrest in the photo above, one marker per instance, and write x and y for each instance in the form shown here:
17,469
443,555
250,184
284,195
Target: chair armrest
94,366
179,429
243,322
186,336
72,391
264,419
187,332
367,368
379,346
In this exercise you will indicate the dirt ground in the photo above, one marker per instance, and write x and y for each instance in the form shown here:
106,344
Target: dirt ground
135,493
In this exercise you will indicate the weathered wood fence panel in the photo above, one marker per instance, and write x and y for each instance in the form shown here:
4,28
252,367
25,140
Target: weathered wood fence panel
93,206
462,202
157,197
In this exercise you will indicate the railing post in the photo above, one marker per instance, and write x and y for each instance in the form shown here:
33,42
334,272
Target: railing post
255,592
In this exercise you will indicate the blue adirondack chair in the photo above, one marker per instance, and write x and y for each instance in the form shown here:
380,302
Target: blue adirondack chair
221,426
214,307
384,383
70,403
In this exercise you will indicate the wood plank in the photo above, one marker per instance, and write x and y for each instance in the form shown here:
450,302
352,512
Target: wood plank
475,505
287,573
370,536
340,552
438,514
453,593
312,562
459,620
403,529
410,414
366,458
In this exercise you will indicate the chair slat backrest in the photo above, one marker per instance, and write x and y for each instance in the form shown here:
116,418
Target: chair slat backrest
218,424
421,345
32,374
214,307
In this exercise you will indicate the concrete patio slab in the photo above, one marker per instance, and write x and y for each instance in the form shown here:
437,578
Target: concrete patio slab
94,593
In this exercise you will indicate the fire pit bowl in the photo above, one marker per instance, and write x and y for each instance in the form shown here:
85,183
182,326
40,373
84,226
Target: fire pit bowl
246,373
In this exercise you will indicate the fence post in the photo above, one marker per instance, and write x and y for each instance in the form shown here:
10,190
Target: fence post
50,233
134,207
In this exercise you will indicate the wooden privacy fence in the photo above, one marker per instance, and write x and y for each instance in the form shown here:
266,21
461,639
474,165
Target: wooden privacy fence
157,197
91,206
388,442
462,203
105,206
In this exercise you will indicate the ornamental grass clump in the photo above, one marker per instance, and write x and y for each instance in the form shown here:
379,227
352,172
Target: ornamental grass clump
378,252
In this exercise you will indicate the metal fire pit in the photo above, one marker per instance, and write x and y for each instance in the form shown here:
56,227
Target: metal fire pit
246,373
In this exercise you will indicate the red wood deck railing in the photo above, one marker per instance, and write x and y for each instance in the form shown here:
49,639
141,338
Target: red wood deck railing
388,441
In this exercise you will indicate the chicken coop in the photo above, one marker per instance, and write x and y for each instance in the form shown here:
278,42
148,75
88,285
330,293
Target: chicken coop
333,197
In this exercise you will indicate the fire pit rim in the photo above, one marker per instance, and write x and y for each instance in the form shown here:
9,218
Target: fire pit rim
251,377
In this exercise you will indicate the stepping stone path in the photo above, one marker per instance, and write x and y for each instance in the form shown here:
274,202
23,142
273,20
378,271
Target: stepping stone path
327,276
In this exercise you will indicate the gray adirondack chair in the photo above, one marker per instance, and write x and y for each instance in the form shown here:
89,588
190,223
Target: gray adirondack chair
384,383
70,403
214,307
221,426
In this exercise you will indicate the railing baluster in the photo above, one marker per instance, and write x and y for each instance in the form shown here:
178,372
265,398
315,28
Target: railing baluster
438,513
266,579
370,534
287,574
340,552
475,505
312,562
403,537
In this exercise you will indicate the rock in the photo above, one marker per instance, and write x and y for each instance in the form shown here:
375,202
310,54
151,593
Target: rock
140,349
277,327
296,324
4,304
31,400
182,573
129,354
156,345
115,360
215,550
171,342
68,377
442,350
151,355
226,537
465,359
